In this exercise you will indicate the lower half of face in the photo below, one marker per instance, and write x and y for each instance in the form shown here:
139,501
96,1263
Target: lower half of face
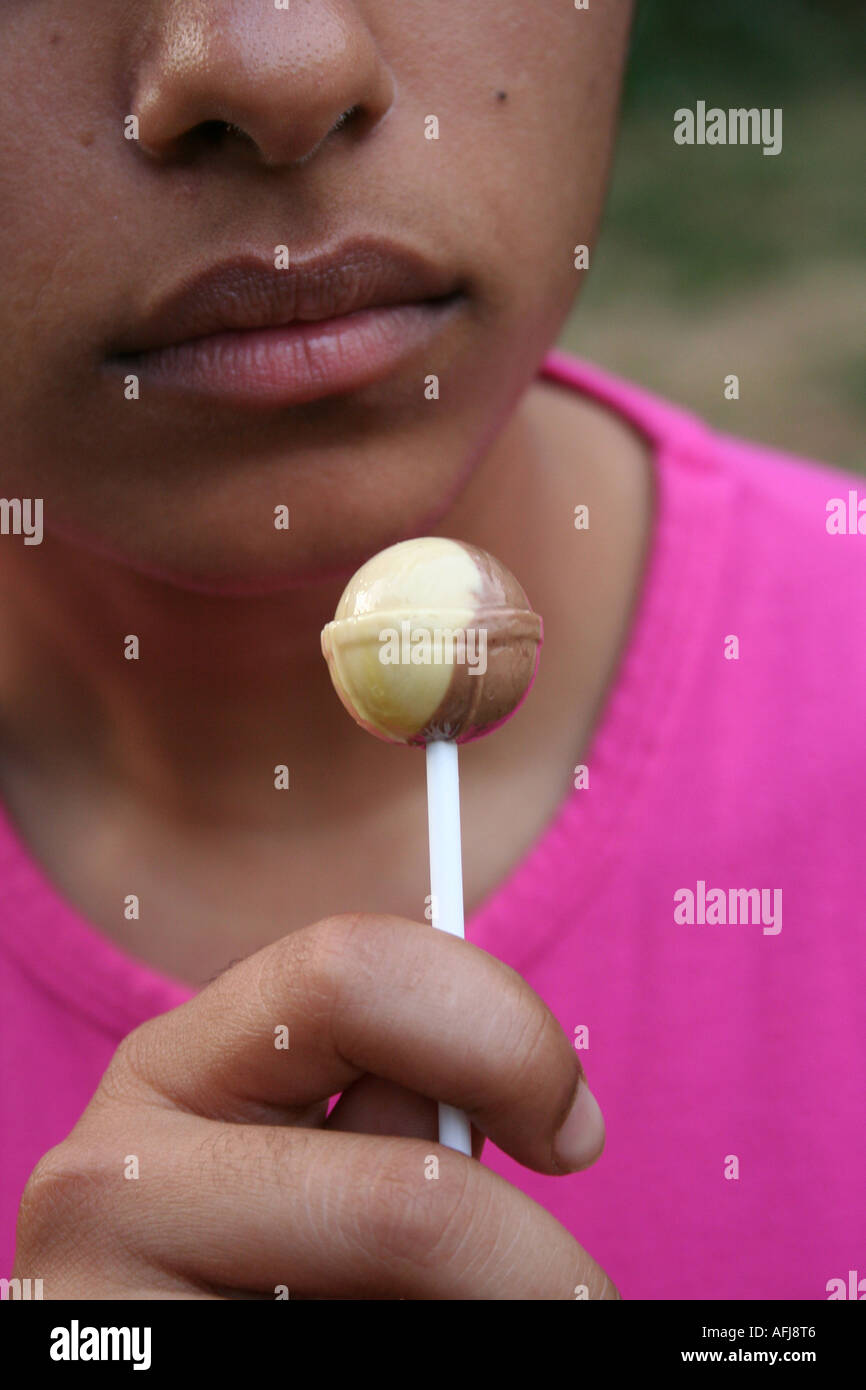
274,323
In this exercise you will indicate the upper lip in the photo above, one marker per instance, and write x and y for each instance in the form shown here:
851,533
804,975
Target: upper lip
247,293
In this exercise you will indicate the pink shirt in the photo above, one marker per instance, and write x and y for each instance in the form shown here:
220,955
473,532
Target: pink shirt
729,1057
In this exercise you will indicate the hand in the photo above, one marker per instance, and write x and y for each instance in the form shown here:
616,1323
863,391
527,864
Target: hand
244,1186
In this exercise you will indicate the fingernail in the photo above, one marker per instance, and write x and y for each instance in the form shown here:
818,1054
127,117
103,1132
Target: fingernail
581,1138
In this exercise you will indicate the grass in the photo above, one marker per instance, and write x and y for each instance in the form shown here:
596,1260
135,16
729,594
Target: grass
717,259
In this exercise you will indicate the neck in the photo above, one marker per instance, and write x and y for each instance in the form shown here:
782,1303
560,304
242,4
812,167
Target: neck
224,690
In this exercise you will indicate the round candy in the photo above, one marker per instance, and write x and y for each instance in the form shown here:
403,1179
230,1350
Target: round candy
432,639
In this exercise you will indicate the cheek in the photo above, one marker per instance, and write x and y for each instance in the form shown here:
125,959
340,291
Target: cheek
67,227
525,174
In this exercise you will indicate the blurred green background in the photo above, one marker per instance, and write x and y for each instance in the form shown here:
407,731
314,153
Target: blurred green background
719,259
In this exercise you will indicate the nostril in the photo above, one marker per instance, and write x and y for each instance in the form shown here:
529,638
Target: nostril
344,119
215,132
229,131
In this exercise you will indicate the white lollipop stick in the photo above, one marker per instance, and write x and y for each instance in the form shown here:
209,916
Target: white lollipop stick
446,889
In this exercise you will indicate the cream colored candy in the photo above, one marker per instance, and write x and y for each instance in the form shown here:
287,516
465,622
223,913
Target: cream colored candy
432,639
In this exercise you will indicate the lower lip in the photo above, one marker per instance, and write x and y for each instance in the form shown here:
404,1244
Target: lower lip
298,363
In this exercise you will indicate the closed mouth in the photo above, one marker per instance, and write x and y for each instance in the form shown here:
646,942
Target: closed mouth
247,294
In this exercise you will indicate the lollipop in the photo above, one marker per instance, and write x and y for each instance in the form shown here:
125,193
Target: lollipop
433,644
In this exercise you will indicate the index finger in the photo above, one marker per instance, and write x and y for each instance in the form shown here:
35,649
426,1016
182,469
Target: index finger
280,1032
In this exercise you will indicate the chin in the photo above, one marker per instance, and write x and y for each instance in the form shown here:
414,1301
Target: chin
232,560
202,518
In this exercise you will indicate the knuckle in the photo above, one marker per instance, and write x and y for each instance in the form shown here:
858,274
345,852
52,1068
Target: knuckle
313,960
340,958
132,1060
350,937
331,966
415,1220
45,1177
60,1193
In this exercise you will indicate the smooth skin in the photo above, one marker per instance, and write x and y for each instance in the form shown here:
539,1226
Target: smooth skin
157,776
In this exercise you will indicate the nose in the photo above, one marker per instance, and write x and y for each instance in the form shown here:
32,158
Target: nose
282,78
